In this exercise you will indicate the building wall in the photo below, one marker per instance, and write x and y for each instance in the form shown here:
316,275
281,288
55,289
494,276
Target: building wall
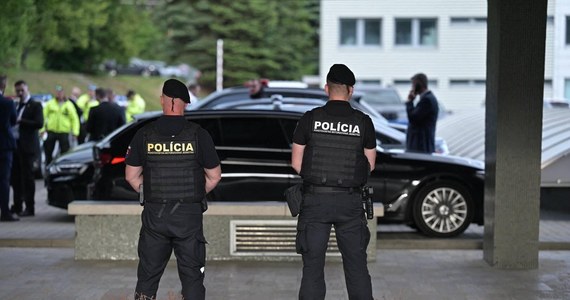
561,50
457,63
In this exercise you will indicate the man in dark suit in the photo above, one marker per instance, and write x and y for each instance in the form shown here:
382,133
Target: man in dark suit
7,146
30,120
422,117
105,117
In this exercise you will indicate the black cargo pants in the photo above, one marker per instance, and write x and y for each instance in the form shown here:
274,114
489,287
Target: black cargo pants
344,211
166,228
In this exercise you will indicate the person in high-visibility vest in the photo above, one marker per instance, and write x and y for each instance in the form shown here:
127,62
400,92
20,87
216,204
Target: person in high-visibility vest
81,103
61,121
135,105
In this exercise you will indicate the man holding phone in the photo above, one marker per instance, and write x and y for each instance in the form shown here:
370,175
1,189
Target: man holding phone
422,117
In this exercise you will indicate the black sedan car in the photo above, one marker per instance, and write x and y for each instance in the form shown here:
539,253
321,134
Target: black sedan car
440,195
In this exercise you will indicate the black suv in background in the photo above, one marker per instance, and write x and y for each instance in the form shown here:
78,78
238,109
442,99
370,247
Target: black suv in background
440,195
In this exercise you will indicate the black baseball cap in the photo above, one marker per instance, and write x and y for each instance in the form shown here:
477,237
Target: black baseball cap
341,74
174,88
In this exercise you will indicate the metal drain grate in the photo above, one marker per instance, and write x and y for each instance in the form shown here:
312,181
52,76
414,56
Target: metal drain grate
268,238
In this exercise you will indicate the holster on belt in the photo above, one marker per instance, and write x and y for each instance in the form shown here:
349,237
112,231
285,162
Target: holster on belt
294,197
204,204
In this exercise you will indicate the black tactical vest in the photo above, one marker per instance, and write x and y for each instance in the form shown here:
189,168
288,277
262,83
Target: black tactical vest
334,154
171,172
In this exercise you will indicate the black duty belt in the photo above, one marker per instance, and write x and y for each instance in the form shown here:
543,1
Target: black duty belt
329,189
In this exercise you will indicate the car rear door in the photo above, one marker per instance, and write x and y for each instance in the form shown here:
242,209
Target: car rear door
255,154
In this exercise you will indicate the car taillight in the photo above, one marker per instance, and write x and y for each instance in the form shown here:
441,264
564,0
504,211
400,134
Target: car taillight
117,160
106,158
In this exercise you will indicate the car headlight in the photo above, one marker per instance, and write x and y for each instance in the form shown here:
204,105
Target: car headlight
67,169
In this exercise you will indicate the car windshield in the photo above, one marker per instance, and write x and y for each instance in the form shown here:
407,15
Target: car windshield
382,97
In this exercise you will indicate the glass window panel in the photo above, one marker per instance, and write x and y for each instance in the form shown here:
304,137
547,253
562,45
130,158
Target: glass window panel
460,20
372,32
567,88
403,31
348,32
567,30
428,32
253,132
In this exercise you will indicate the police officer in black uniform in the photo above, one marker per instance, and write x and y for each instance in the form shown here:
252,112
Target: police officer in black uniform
173,163
334,150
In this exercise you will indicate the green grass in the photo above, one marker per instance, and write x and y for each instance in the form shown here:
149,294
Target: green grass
45,81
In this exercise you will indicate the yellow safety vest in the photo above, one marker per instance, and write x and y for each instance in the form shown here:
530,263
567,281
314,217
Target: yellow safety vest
61,117
135,106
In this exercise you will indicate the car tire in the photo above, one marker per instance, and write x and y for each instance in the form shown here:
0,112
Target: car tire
443,209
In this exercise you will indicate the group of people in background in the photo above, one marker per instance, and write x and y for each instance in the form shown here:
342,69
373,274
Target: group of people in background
65,120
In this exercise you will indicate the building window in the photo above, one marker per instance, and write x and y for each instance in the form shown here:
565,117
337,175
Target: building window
466,82
348,32
432,83
467,20
360,32
369,82
567,88
567,30
372,32
416,32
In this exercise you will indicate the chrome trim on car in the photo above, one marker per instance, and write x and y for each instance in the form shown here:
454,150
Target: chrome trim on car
227,148
396,204
237,175
253,163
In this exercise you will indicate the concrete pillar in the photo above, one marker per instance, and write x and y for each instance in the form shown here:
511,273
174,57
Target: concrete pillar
516,32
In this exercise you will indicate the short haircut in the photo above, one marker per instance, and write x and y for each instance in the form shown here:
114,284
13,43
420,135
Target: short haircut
20,82
338,87
130,93
422,79
100,93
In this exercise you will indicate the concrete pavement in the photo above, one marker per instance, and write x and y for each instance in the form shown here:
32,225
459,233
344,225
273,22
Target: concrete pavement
37,262
52,273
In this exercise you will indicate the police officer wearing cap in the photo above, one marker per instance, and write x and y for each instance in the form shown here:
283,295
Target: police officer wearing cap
173,164
334,151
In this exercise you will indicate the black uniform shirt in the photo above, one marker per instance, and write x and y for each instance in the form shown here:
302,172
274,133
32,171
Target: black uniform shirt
335,108
170,125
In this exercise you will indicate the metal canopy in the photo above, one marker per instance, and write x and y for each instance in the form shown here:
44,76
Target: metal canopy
464,133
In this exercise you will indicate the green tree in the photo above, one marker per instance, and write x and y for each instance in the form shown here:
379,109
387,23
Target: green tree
261,38
295,39
117,31
14,30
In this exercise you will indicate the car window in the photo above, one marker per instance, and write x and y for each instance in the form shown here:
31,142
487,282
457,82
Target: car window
289,126
258,132
384,97
212,125
223,99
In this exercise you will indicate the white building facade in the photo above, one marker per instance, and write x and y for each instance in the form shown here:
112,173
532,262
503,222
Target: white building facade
387,42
